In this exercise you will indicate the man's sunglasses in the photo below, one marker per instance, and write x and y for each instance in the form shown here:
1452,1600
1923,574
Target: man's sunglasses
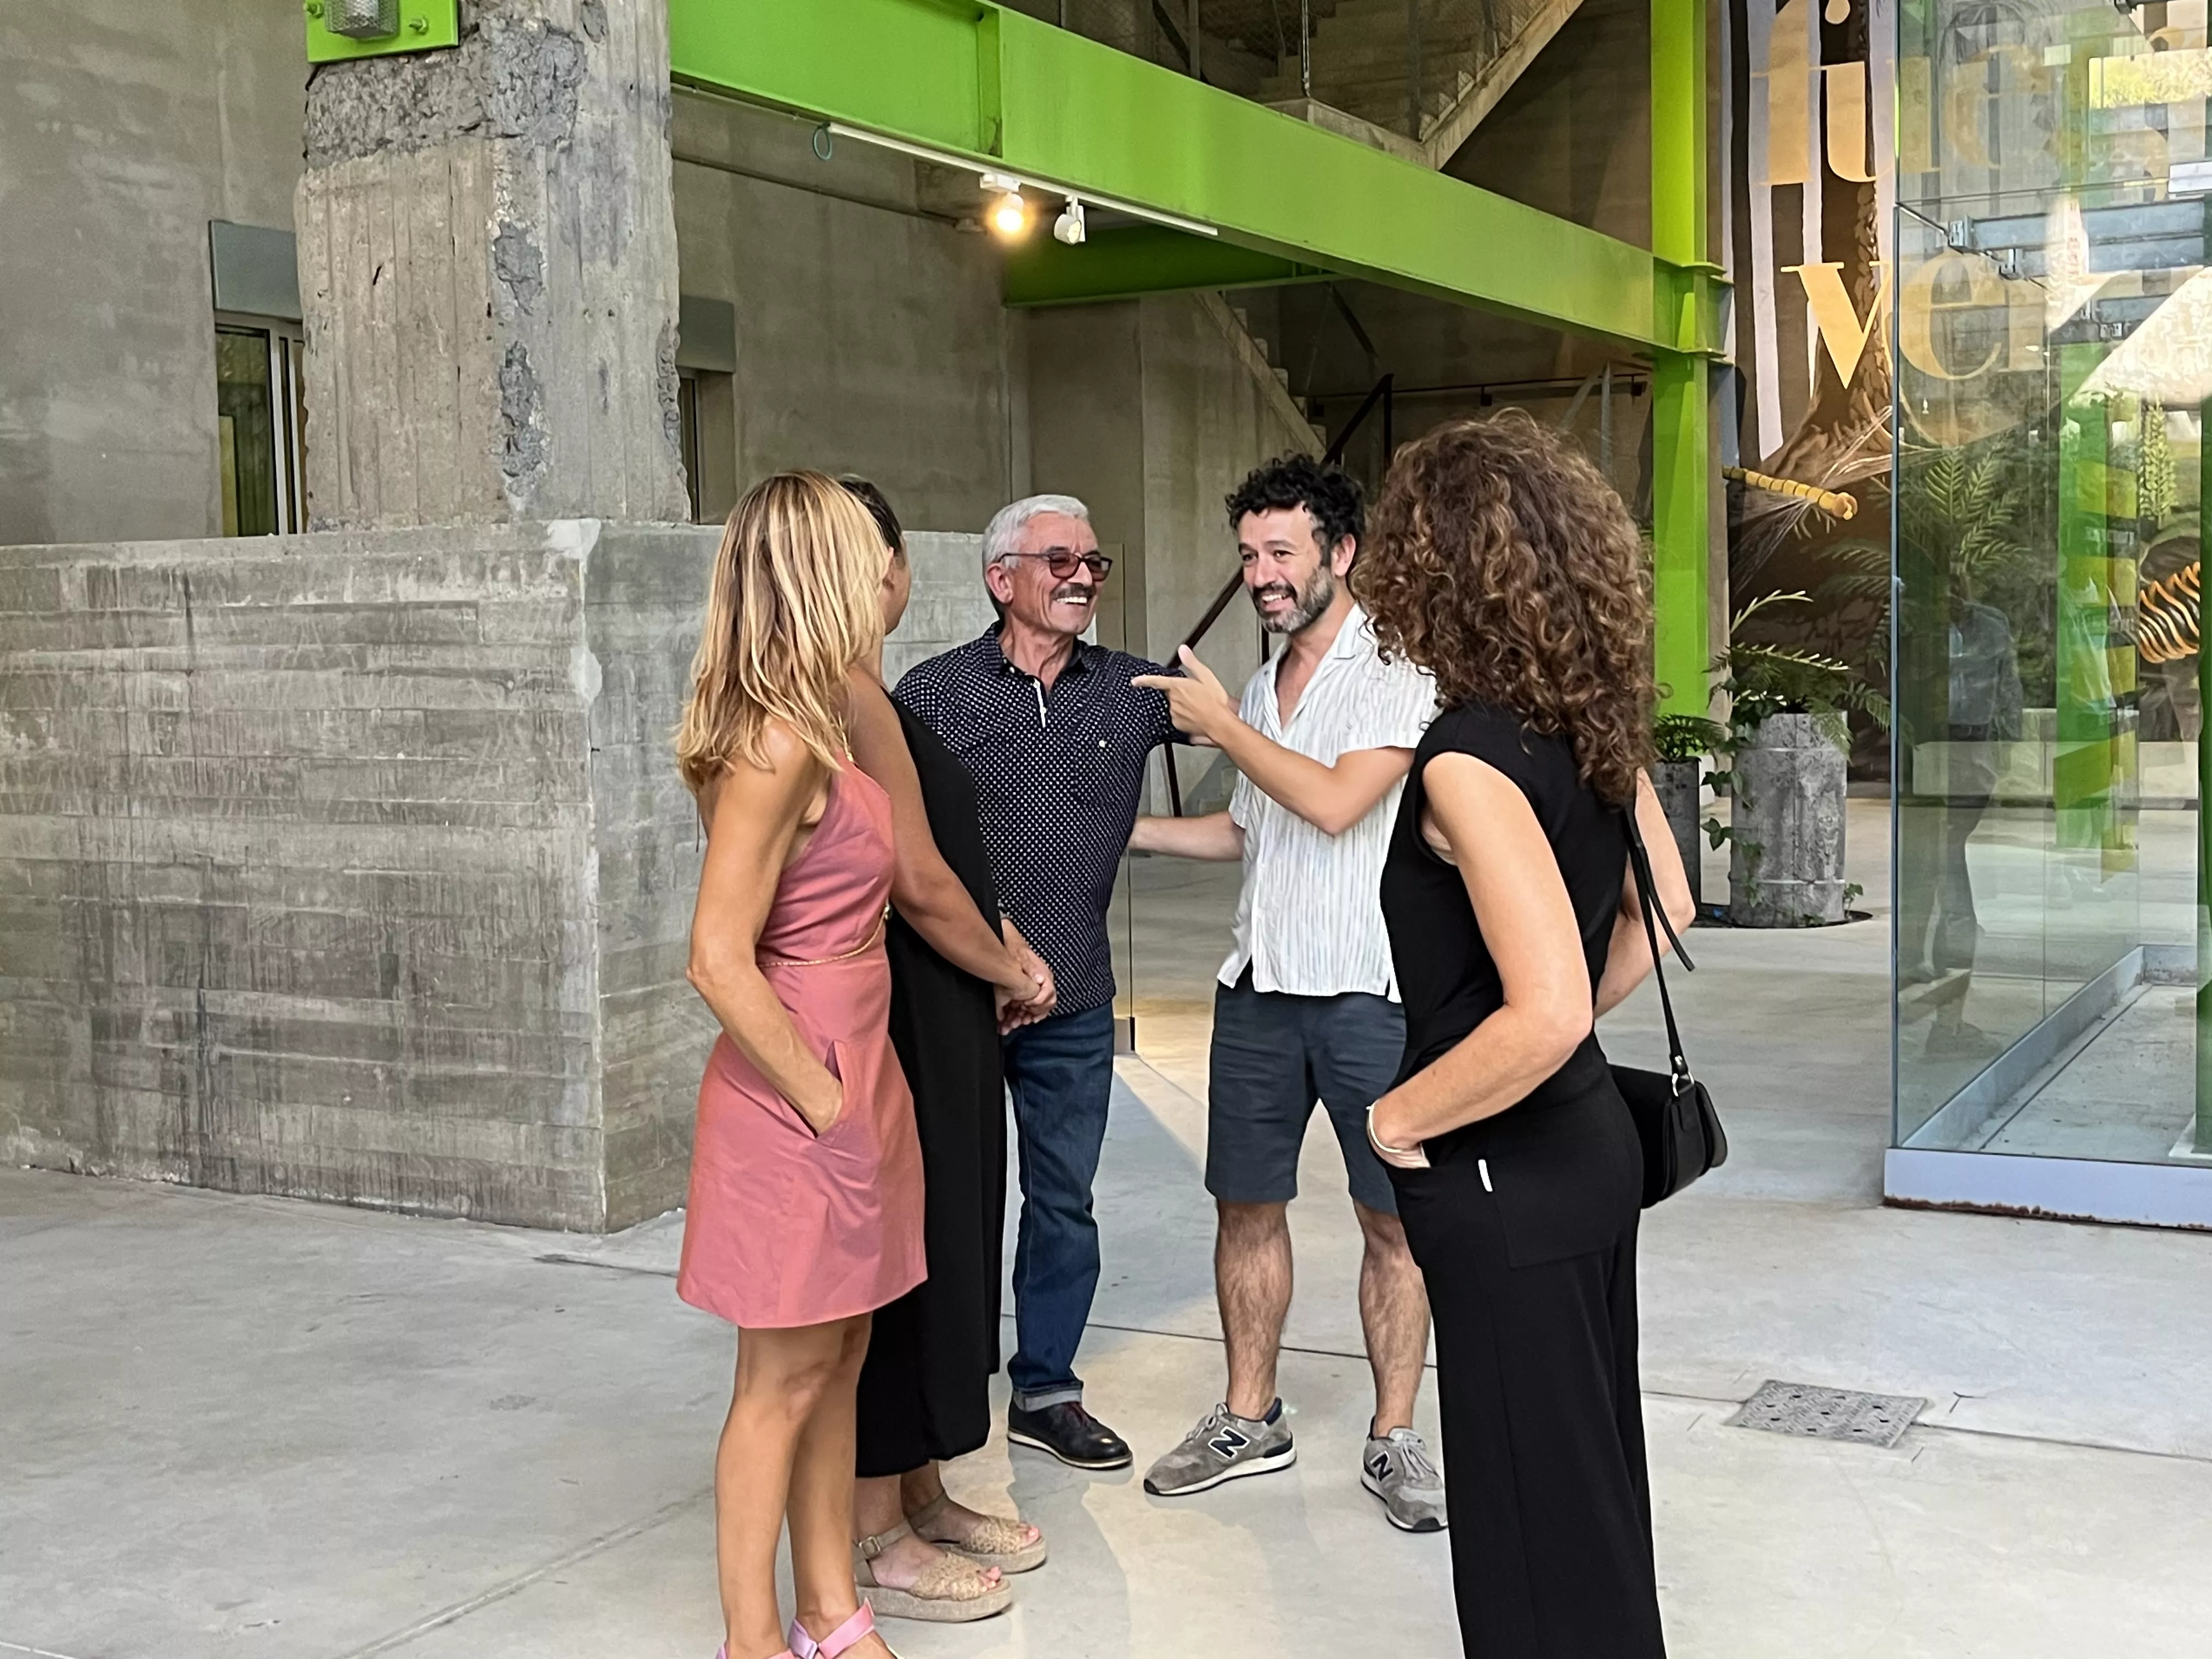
1062,562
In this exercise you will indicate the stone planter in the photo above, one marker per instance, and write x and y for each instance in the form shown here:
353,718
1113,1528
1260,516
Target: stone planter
1786,851
1676,783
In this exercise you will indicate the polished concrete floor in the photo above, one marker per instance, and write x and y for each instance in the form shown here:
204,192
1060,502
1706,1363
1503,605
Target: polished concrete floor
2051,919
246,1426
2128,1095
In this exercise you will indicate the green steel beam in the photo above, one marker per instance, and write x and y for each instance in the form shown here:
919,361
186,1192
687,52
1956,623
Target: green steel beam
989,85
1679,178
424,26
1681,533
2089,758
1686,288
1116,265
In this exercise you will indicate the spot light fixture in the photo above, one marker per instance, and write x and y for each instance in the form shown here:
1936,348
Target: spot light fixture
1069,226
1009,214
1005,184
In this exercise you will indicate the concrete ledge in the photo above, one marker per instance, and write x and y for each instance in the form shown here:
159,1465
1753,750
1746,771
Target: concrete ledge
2049,1188
354,865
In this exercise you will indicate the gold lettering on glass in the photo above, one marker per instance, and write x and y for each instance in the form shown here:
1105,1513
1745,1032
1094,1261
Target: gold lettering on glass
1915,135
1925,301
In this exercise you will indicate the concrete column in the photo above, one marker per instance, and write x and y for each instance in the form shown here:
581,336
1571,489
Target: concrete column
487,270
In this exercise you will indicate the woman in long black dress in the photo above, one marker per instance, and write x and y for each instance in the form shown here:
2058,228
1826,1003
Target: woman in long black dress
958,971
1500,560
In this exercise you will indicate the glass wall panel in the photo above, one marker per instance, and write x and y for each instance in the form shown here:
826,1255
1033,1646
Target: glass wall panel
2053,355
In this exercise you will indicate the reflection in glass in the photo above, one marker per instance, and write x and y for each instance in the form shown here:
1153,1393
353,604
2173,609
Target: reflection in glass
2053,346
245,417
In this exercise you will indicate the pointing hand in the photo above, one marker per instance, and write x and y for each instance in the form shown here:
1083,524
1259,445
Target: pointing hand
1202,706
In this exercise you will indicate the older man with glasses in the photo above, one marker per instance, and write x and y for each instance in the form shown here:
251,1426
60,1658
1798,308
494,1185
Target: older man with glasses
1056,738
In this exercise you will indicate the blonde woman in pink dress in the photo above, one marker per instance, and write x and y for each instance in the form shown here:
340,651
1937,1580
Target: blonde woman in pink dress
805,1205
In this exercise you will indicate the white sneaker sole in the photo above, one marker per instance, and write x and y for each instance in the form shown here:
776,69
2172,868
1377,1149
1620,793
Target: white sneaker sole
1391,1514
1263,1464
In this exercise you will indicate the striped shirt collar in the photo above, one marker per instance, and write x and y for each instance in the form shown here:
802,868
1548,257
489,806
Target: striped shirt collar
1309,918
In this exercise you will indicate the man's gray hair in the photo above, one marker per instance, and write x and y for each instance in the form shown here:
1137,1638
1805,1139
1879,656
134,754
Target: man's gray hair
1002,537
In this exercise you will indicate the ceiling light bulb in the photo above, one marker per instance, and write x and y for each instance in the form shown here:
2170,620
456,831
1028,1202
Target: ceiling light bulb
1010,214
1068,227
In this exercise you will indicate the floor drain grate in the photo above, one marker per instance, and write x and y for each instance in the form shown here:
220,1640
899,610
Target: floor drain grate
1804,1408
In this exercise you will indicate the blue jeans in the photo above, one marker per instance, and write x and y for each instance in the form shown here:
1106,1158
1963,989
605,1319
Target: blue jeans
1060,1074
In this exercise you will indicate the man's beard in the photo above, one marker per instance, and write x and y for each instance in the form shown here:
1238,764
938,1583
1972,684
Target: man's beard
1305,607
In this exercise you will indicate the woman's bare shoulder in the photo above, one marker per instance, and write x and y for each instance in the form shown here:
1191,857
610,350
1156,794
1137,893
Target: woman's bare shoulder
786,769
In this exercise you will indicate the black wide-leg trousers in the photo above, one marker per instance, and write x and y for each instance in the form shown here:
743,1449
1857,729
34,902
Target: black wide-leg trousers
1543,1428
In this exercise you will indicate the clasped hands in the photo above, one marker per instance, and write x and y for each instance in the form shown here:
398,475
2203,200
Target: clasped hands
1015,1011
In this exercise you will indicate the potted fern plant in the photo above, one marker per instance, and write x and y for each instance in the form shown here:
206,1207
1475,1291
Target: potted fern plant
1786,737
1683,743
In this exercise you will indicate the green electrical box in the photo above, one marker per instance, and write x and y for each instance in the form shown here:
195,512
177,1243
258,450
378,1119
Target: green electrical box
341,29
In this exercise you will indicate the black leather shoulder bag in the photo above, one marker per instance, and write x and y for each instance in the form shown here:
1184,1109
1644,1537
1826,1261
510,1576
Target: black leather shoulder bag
1675,1116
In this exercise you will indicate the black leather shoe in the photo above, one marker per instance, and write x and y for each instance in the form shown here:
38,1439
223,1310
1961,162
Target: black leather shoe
1069,1433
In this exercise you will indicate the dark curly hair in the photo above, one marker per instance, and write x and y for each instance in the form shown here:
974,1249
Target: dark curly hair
1331,496
1503,562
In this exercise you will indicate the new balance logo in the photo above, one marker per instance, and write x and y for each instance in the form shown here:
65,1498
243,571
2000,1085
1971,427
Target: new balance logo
1378,1466
1226,1444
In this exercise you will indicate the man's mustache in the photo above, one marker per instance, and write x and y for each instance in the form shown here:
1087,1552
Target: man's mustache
1075,591
1275,591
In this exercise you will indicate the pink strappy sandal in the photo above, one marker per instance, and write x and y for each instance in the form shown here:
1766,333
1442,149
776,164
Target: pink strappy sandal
723,1652
858,1628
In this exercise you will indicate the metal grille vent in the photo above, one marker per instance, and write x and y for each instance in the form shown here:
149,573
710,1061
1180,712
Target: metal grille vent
1818,1413
362,20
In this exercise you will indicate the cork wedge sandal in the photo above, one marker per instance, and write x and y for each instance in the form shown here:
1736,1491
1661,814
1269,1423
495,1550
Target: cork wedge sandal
995,1542
953,1591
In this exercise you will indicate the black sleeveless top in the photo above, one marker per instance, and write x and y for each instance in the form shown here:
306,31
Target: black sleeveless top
1564,1162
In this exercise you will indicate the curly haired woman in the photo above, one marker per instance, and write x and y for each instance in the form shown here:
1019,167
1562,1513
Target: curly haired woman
1499,560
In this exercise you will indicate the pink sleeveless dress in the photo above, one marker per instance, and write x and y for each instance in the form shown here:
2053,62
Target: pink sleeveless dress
785,1227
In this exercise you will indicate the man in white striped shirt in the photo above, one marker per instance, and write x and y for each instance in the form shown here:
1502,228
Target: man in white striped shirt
1307,1007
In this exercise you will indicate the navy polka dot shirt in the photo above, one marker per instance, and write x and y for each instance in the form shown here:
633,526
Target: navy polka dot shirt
1058,772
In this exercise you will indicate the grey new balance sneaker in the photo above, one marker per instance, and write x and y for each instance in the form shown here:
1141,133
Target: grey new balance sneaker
1397,1470
1221,1447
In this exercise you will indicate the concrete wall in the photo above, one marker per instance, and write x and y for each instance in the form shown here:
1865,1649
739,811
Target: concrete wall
1086,440
351,866
487,275
871,338
1573,134
643,592
949,606
123,129
1213,410
1151,410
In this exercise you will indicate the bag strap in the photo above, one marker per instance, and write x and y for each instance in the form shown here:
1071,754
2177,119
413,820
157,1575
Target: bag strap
1639,864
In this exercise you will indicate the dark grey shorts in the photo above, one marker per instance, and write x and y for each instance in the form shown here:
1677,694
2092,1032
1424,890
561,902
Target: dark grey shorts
1273,1055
